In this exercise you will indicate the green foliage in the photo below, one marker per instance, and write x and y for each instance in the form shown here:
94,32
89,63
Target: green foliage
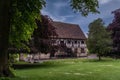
84,6
23,15
13,58
99,40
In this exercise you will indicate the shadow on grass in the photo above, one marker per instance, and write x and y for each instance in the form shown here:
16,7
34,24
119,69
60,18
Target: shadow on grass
15,78
47,64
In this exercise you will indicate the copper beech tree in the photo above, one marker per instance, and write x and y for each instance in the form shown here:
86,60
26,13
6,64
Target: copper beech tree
43,35
114,27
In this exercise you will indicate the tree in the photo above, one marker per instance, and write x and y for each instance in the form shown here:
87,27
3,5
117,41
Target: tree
43,35
4,31
17,23
84,6
99,40
114,27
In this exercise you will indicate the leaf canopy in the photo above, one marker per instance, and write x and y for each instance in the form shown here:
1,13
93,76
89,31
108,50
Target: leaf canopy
99,40
85,6
23,14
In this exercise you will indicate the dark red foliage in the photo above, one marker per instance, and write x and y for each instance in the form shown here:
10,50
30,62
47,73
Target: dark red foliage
45,28
43,34
115,28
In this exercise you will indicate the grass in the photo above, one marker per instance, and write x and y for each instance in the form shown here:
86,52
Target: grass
70,69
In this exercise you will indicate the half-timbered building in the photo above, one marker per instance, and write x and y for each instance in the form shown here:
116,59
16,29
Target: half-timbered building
71,40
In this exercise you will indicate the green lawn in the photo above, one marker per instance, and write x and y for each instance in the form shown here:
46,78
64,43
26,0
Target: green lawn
71,69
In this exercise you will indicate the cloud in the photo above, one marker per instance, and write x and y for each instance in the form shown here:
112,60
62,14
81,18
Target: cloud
53,17
104,1
59,10
59,5
44,12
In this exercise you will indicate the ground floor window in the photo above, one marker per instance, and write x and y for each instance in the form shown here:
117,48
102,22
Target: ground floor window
82,50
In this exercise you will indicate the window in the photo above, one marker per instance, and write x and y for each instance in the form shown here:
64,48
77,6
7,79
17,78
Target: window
76,50
75,42
82,42
82,50
62,42
68,41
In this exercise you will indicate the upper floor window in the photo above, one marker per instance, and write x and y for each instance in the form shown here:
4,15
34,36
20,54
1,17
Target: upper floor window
75,42
68,41
62,42
82,42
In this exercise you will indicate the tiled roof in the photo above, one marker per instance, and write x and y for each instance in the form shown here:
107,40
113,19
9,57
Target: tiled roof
67,30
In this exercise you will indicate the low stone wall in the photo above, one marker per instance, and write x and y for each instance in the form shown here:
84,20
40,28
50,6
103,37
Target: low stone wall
45,56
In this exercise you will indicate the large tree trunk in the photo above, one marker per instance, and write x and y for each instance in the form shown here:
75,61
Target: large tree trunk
4,66
99,56
4,37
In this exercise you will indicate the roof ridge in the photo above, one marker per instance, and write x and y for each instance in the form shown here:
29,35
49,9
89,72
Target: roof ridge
65,23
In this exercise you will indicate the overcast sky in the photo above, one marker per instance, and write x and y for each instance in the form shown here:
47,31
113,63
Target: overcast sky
59,10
